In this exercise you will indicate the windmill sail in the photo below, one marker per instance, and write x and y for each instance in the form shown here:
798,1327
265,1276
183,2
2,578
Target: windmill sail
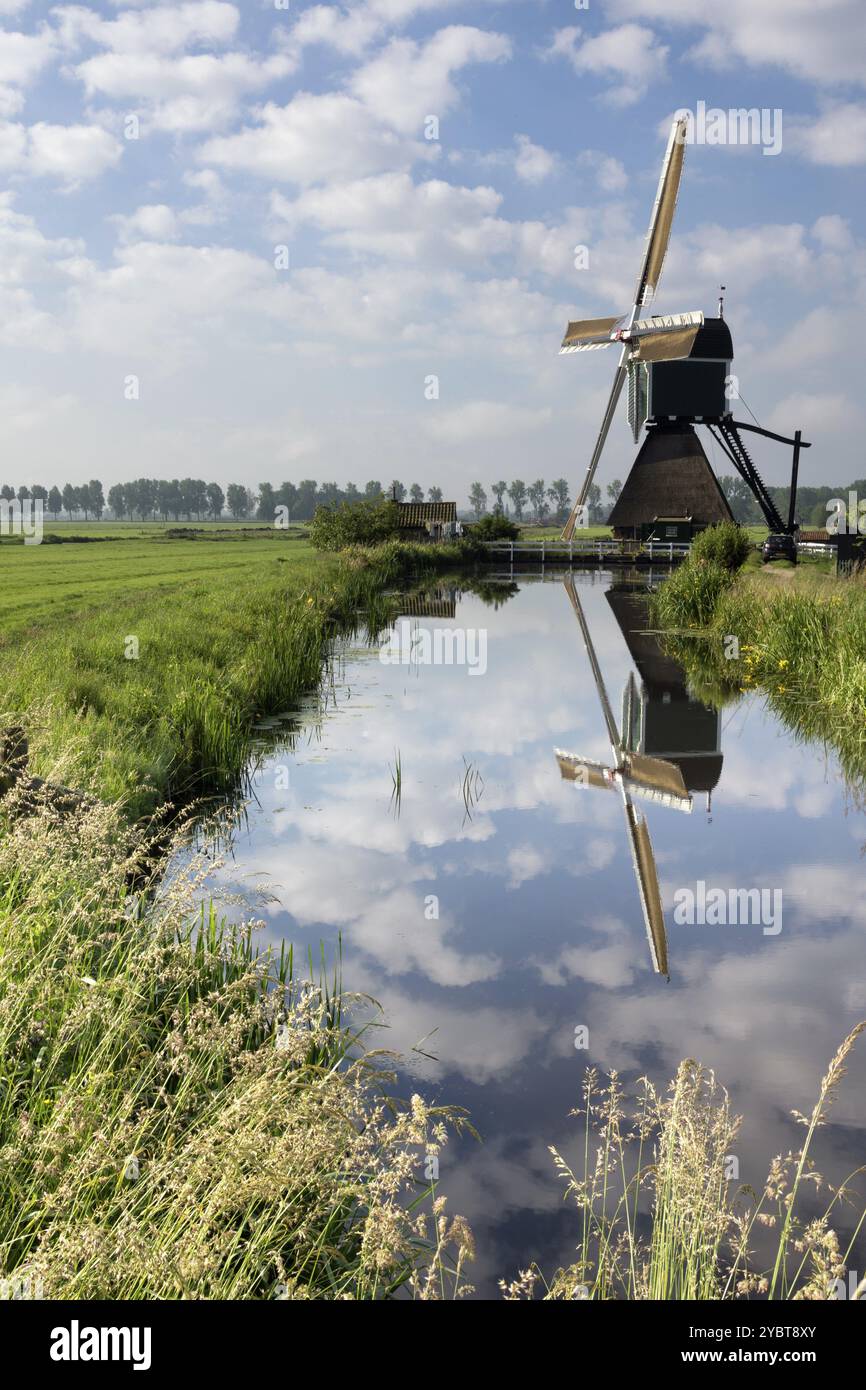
648,883
655,250
662,217
583,334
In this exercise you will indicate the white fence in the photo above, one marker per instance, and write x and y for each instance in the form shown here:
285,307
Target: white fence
597,548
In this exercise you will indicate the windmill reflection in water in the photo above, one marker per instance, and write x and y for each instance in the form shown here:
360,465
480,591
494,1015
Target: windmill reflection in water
668,746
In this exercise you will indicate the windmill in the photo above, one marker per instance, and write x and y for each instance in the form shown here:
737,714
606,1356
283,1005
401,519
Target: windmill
633,775
678,372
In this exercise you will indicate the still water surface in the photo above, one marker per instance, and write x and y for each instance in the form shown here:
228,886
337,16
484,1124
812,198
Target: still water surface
540,927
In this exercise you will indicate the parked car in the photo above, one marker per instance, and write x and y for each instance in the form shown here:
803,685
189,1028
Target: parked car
779,546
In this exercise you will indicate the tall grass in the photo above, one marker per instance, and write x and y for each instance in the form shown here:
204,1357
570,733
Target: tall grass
802,648
181,1115
661,1219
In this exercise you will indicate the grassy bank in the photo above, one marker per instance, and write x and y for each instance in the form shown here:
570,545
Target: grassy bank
180,1115
799,639
148,689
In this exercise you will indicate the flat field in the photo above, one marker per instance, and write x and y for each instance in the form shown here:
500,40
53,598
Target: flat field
39,583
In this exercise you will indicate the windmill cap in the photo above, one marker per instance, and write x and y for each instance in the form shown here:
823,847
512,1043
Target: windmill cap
713,339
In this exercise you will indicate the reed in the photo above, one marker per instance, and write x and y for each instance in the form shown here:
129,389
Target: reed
659,1217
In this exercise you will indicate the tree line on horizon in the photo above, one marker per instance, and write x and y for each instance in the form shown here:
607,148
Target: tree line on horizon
193,499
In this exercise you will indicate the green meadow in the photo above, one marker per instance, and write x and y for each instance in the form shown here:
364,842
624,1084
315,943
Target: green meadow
116,559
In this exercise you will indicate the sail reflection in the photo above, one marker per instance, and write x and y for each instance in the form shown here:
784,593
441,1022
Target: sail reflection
667,747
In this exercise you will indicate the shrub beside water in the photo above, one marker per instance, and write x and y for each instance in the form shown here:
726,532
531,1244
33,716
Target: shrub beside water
726,545
494,527
690,597
354,523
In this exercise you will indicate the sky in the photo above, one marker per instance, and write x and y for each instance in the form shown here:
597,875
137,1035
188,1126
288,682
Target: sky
278,241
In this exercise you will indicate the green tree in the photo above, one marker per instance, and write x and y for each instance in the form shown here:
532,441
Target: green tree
559,499
416,492
435,494
517,493
215,500
55,502
193,492
287,496
593,504
373,491
499,490
478,500
169,499
537,495
96,498
145,497
306,504
70,499
741,500
236,496
267,508
329,495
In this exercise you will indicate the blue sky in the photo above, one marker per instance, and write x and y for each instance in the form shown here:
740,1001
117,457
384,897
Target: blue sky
261,127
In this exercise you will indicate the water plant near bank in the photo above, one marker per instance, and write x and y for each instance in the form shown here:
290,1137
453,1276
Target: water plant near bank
801,645
662,1216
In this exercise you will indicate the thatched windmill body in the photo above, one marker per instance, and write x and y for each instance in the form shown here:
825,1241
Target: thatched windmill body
678,369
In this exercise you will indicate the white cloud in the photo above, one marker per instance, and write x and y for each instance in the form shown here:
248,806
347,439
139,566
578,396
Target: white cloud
408,81
837,136
144,59
151,222
833,232
71,153
389,215
815,413
23,56
630,57
160,29
353,28
612,176
533,163
190,93
483,420
22,59
823,42
314,139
